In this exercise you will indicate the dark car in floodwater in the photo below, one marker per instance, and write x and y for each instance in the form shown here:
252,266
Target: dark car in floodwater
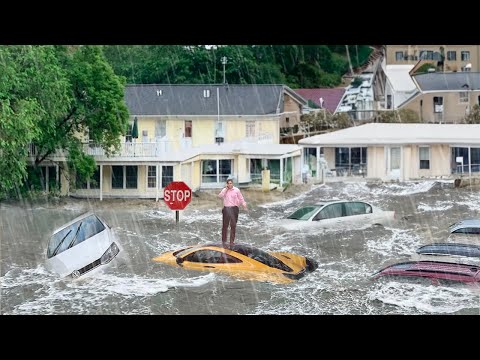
465,231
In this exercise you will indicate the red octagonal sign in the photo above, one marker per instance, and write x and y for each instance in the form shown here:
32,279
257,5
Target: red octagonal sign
177,195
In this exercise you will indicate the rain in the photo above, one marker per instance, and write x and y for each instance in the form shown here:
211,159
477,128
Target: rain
133,284
341,285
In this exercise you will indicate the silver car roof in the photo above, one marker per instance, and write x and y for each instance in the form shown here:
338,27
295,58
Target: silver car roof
464,223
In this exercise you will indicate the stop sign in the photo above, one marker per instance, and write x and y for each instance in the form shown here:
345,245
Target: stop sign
177,195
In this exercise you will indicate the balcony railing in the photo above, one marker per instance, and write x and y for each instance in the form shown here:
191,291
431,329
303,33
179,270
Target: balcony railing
133,149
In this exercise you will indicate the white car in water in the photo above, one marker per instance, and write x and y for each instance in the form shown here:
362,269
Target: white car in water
337,214
82,246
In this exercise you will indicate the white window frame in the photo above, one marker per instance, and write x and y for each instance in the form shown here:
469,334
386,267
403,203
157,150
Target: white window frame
250,128
421,158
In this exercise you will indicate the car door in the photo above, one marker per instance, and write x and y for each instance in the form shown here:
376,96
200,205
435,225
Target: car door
329,216
358,213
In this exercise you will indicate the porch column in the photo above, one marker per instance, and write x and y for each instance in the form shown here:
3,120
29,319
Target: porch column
101,182
281,171
47,177
157,182
470,162
317,175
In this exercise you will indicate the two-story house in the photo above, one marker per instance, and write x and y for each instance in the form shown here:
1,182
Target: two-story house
445,57
444,97
200,134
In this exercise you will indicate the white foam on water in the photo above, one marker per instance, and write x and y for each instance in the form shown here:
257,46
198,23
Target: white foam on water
413,298
400,243
89,294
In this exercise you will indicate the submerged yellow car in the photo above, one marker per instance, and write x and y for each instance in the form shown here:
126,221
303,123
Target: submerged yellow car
243,261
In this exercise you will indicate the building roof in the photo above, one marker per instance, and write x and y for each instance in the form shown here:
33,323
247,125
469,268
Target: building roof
331,97
399,77
391,133
167,99
244,148
439,81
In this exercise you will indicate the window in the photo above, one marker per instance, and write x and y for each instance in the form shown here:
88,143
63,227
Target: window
356,208
206,93
451,55
160,128
216,171
465,55
424,154
438,104
152,177
330,212
250,129
188,128
117,177
219,129
398,55
426,55
124,175
463,97
167,175
128,136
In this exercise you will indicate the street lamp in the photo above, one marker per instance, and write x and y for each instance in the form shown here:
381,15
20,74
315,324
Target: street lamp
224,62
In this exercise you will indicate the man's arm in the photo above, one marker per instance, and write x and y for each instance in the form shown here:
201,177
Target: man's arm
242,200
222,193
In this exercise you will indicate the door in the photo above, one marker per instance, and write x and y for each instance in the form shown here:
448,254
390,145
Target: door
394,162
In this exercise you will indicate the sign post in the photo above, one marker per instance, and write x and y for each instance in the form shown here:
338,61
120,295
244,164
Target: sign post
177,195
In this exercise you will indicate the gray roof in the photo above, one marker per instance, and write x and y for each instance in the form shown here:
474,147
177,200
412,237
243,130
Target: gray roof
374,134
167,99
438,81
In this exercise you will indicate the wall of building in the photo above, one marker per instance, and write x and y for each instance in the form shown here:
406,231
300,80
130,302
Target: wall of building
453,110
450,65
376,162
290,105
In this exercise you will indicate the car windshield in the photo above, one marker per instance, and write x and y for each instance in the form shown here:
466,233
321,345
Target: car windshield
74,234
304,213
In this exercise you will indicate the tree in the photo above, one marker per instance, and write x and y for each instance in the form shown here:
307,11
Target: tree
474,116
58,93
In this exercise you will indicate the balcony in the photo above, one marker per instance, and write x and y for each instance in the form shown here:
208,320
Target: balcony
133,149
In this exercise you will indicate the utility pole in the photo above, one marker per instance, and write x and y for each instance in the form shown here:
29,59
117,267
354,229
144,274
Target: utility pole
224,62
349,60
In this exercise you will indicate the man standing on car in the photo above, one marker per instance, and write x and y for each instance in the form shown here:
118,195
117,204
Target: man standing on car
232,198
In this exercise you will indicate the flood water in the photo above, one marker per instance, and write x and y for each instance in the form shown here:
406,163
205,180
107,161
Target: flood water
341,285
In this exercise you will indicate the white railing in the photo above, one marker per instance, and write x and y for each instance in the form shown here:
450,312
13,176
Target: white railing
133,149
33,152
265,138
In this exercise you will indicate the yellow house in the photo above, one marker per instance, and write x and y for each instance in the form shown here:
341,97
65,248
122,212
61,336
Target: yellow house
199,134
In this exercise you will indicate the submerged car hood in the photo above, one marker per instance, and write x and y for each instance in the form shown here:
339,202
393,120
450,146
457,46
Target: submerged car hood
80,255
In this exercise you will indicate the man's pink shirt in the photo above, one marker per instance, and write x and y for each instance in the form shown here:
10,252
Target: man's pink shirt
232,197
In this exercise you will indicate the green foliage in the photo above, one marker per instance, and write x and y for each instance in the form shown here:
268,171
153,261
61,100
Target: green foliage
424,68
82,165
342,121
398,116
474,116
49,95
295,65
357,82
